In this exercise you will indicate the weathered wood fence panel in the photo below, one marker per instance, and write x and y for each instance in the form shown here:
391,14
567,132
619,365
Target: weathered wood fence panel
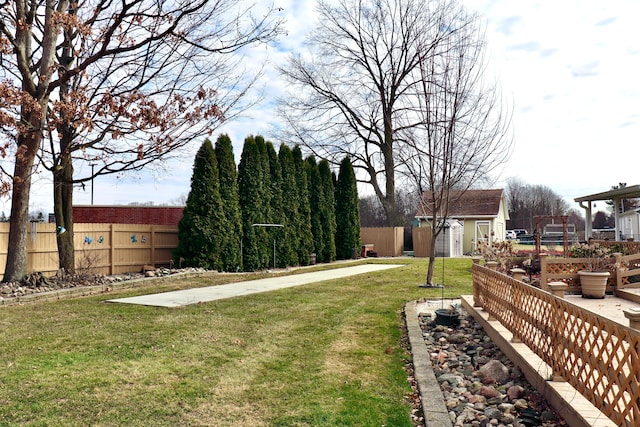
100,248
421,241
387,241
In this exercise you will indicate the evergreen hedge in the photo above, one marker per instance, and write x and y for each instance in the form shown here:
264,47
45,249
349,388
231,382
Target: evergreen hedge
222,223
347,212
203,224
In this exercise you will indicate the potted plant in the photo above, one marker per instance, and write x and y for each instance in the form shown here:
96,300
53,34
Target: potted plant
596,268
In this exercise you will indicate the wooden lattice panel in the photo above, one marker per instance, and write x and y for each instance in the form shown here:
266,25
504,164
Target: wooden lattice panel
629,271
598,357
630,247
566,270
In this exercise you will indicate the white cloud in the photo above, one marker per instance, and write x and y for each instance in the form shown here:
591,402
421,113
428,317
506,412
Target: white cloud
570,68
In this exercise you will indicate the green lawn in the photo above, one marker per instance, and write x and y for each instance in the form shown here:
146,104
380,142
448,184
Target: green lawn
325,354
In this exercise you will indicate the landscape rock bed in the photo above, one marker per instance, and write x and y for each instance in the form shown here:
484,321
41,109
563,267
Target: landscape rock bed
480,386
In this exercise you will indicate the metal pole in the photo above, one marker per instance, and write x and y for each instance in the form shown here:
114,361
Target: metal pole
445,227
93,165
444,236
274,239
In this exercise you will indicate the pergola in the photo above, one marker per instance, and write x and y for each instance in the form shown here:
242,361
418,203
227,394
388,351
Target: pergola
631,192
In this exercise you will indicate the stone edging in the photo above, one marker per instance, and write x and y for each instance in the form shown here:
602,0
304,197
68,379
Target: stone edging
432,400
81,291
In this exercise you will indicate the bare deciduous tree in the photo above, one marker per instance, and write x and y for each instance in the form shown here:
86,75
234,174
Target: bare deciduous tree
355,94
463,133
120,85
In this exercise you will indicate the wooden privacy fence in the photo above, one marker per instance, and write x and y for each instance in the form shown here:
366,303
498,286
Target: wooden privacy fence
99,248
421,241
598,357
387,241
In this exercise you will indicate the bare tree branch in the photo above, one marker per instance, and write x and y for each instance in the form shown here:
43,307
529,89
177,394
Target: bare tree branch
464,132
122,84
355,94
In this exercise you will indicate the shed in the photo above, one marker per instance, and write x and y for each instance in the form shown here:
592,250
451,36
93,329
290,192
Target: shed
483,214
449,241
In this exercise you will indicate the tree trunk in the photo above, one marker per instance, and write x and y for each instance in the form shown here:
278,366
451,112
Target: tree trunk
389,202
394,219
430,269
432,256
63,171
63,209
16,266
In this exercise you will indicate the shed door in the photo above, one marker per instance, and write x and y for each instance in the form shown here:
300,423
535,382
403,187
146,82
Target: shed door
456,241
483,231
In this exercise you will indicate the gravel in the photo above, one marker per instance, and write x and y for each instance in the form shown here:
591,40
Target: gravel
480,386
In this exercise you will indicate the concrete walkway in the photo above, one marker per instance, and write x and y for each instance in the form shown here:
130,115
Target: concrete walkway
212,293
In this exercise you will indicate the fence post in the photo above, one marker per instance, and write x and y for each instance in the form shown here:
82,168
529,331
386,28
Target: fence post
152,244
557,328
492,265
476,280
518,274
619,269
543,272
633,314
111,249
558,289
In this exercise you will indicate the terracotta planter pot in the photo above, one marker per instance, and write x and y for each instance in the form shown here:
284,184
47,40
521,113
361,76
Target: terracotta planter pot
593,283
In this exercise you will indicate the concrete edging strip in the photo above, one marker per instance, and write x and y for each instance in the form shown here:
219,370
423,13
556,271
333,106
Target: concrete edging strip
433,406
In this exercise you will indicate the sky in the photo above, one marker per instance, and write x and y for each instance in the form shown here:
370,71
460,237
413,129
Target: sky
568,69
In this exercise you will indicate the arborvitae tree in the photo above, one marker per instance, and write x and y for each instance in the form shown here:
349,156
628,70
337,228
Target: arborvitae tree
276,215
231,249
203,223
316,204
265,195
304,225
347,212
328,217
290,214
250,191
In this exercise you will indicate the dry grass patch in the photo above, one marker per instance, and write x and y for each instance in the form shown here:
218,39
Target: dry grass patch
348,357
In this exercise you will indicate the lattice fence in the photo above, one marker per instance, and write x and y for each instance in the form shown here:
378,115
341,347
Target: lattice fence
628,273
566,270
598,357
629,247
